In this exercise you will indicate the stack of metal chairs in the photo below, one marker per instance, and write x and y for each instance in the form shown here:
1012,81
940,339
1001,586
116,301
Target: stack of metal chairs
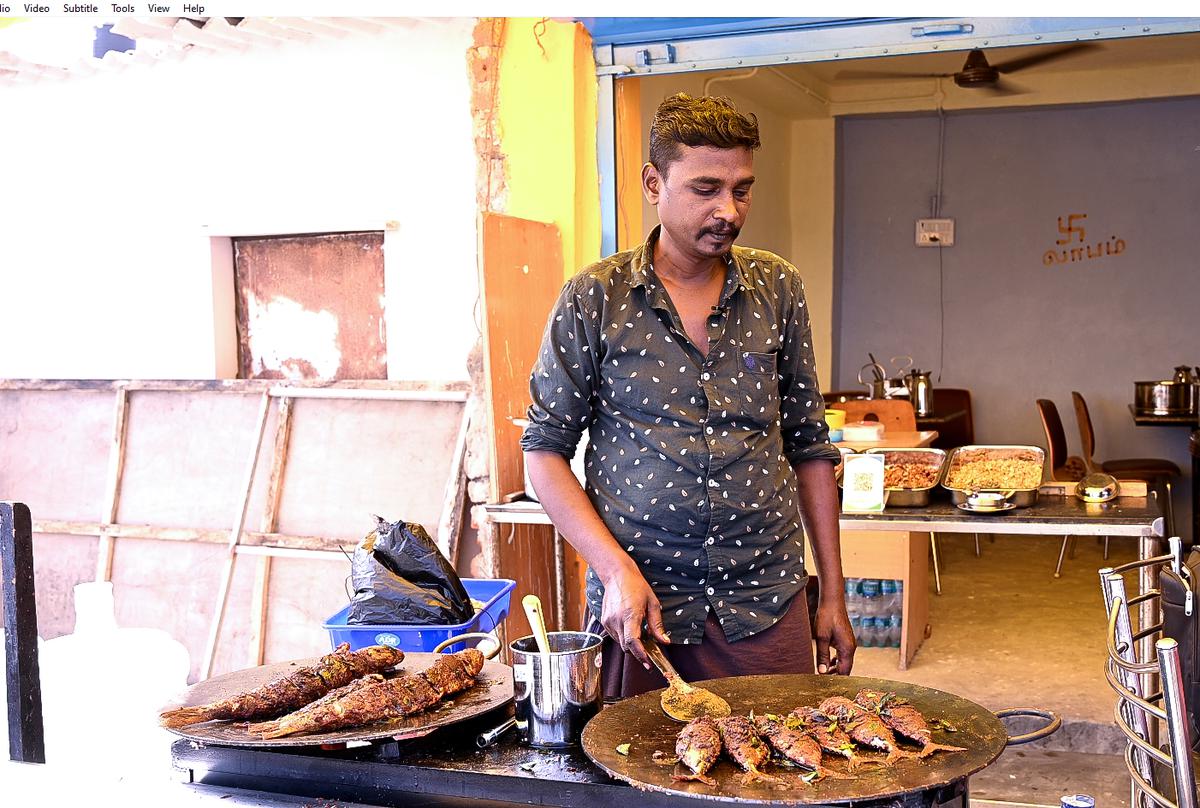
1138,661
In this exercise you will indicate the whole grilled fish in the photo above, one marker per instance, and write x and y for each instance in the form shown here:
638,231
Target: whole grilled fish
864,727
826,732
381,700
745,748
904,719
293,691
698,746
792,743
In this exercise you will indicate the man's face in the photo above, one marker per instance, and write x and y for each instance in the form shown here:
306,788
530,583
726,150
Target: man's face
704,199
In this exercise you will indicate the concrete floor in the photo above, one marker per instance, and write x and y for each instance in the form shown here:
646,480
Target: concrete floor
1006,633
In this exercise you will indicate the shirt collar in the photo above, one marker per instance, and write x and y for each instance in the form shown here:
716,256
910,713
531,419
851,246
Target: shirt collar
641,264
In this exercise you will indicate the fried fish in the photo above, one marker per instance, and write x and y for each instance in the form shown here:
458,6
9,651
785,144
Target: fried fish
826,731
745,748
864,727
904,719
287,693
793,743
698,746
382,699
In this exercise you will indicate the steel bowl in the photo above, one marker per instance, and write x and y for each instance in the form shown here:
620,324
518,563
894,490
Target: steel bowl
1097,487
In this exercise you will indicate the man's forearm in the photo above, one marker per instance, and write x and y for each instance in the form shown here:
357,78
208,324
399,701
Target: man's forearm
573,515
819,506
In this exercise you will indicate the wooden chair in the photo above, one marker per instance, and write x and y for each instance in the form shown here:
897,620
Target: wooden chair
1153,470
1159,774
960,431
896,414
1063,466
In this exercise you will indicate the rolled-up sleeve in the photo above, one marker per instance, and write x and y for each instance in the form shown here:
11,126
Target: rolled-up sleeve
802,410
565,377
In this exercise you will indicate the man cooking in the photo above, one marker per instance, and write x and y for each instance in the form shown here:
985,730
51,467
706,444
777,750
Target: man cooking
690,362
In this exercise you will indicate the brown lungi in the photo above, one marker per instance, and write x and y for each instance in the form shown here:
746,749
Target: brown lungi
785,647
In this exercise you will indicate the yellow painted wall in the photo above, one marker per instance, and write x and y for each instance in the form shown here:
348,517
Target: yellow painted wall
546,108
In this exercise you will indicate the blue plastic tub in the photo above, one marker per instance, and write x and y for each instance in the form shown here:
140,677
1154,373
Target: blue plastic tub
494,593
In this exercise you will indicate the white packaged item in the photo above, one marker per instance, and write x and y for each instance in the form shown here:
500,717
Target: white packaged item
862,430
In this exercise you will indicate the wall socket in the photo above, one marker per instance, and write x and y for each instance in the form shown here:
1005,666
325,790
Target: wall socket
935,232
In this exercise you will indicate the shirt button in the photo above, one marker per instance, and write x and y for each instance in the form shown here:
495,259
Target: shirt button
706,376
710,540
711,591
708,430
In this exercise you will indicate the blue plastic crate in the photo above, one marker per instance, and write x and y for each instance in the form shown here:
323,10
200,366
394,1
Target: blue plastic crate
494,593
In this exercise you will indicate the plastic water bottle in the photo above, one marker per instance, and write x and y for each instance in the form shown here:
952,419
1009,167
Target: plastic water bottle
888,602
854,595
866,638
856,626
895,623
1078,801
871,597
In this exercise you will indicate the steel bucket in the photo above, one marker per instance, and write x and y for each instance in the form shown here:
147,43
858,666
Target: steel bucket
556,693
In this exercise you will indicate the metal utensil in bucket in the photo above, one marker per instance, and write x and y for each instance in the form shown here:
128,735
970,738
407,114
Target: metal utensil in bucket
556,693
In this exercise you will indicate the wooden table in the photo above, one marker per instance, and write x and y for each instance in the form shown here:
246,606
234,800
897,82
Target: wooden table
881,554
1144,419
1140,517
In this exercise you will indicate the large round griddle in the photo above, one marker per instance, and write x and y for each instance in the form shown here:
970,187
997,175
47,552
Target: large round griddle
640,722
493,688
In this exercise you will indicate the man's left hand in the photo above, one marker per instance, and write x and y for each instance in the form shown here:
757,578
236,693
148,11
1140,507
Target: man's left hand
834,632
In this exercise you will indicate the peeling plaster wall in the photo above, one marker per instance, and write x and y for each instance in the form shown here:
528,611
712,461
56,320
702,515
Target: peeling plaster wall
115,186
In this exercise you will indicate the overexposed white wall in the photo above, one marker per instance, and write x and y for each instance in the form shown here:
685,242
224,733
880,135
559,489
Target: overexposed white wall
118,190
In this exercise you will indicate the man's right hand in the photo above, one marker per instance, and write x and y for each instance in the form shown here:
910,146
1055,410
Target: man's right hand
628,603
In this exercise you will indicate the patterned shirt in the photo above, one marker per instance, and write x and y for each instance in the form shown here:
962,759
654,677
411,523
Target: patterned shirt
690,454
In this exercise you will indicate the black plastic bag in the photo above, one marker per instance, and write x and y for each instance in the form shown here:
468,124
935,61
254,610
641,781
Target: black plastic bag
400,577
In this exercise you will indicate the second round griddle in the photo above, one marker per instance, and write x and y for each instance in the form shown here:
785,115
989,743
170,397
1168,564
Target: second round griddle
493,688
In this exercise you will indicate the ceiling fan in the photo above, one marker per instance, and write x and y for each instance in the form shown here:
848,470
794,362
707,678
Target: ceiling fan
977,72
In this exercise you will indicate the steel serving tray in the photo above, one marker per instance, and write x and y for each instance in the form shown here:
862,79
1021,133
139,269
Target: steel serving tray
912,497
1021,497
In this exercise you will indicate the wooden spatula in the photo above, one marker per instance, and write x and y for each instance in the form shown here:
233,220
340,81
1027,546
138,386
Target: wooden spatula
682,701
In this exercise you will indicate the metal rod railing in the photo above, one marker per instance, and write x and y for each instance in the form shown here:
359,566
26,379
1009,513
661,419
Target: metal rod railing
1123,674
1177,722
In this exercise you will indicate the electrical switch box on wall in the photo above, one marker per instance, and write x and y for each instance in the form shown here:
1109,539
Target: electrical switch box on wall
935,232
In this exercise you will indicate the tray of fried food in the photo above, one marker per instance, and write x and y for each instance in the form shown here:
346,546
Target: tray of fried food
1014,470
909,475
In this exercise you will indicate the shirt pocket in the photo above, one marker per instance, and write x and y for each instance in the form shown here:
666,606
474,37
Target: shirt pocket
758,364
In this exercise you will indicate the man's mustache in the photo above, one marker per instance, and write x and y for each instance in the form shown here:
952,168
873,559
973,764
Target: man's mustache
721,231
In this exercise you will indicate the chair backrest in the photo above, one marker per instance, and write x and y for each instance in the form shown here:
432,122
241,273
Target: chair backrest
896,414
1087,436
1137,715
1062,466
960,431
